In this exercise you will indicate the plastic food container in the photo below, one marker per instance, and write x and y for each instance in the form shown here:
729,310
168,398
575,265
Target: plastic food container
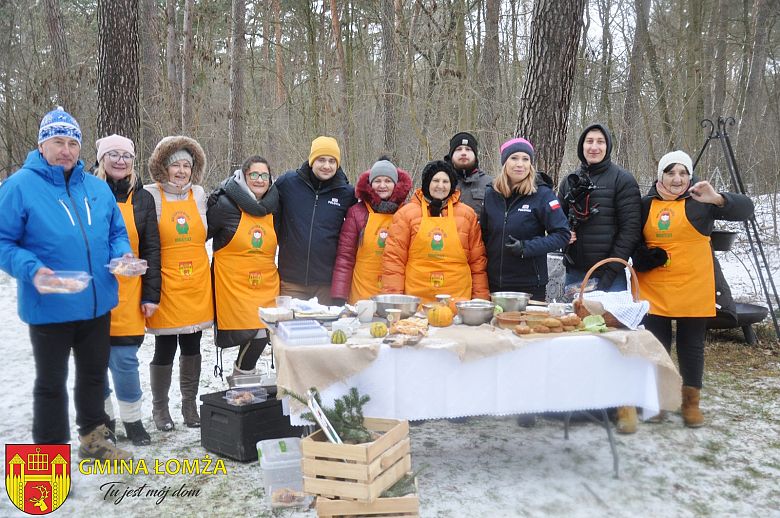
246,396
63,282
127,266
272,315
280,460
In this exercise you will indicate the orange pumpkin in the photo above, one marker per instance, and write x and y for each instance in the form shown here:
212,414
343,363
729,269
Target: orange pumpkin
440,316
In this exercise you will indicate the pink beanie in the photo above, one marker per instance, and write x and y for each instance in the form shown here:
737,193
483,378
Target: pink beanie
114,143
515,145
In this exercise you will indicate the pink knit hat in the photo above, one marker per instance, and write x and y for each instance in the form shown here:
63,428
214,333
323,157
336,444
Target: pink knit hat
515,145
114,143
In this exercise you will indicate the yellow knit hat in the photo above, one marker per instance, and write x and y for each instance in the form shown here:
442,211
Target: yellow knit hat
322,146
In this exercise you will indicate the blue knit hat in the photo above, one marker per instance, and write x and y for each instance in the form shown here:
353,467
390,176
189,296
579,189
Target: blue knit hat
59,123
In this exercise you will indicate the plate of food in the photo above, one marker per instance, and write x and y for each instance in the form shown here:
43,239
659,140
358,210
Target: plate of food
62,282
401,340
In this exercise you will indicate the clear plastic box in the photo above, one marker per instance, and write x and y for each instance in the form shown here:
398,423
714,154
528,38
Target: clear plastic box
62,281
280,460
127,266
246,396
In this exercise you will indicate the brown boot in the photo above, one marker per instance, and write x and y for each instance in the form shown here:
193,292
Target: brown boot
160,380
189,379
690,407
626,419
658,418
95,445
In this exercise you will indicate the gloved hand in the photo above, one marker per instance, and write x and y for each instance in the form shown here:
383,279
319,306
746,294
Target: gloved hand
645,258
338,302
515,246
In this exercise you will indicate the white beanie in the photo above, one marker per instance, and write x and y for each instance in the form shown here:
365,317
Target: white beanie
674,157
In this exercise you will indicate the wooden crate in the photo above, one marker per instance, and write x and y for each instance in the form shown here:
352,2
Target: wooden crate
357,471
406,506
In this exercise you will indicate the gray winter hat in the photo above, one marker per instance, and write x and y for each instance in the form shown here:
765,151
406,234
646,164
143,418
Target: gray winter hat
181,154
383,168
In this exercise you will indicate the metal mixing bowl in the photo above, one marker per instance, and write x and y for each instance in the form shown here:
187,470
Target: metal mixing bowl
406,303
474,312
511,300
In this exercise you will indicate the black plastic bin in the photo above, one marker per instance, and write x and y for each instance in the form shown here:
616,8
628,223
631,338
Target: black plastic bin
233,431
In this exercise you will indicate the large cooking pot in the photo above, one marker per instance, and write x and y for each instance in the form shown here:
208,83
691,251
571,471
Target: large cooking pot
722,240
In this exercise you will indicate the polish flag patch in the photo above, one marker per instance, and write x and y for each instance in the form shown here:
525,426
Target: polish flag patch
554,205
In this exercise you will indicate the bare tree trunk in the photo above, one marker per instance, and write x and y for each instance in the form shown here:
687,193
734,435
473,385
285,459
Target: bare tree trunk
719,62
547,89
149,108
60,53
694,101
186,69
658,82
606,60
751,109
118,68
7,55
636,70
390,68
280,96
236,103
488,83
171,58
344,80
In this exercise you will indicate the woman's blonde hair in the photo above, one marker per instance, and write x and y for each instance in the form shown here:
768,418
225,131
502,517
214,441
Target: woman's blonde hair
101,173
525,187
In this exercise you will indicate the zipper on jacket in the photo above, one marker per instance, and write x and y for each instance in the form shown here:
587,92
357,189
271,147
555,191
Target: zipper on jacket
67,211
89,212
503,240
311,230
86,244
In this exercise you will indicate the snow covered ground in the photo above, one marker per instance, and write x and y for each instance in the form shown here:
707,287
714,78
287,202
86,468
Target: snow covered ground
486,467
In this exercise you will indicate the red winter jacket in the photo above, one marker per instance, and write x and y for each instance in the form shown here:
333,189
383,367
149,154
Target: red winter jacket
355,223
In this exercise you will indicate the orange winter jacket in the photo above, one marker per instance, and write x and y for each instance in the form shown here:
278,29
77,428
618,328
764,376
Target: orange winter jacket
403,230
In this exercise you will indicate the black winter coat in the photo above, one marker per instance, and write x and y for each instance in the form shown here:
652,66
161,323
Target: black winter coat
702,217
145,218
311,214
228,202
535,219
616,229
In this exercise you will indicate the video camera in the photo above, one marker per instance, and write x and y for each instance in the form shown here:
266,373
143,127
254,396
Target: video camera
578,197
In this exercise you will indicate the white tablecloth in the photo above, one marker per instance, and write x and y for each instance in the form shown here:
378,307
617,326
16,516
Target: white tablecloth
560,374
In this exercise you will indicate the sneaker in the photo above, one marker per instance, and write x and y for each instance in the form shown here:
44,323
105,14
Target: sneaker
137,433
96,445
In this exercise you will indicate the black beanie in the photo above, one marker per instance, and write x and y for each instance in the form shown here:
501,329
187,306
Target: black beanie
430,170
463,139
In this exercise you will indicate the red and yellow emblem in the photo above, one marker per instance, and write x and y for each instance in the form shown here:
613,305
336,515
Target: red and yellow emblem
37,476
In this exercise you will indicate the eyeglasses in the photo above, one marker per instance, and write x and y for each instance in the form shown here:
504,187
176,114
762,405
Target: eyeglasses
262,176
114,156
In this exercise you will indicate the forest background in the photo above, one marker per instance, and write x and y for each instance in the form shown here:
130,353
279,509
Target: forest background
399,77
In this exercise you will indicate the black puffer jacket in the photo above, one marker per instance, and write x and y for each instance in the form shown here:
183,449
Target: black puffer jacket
702,217
311,214
616,229
228,201
145,217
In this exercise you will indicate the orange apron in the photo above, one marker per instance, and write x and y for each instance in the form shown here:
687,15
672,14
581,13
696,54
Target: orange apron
245,274
185,295
685,285
126,318
437,263
367,274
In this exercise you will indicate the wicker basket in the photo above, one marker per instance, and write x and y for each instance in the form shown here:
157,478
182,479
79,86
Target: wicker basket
609,319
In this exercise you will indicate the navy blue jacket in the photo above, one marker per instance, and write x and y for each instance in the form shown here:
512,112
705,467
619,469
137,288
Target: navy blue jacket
310,217
537,220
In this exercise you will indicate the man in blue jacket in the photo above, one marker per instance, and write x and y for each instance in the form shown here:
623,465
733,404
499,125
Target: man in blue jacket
313,201
55,217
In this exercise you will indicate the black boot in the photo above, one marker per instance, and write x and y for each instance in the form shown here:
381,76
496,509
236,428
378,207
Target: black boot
111,425
136,433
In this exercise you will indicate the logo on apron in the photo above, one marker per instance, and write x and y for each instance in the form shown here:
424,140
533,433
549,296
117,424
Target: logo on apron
255,279
437,239
182,223
664,220
257,237
382,238
437,279
185,268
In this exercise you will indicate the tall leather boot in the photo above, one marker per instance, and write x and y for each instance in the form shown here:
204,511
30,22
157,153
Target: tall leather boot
160,380
626,419
691,414
189,379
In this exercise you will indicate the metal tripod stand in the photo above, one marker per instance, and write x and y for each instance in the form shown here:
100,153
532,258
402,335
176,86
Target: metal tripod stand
751,227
